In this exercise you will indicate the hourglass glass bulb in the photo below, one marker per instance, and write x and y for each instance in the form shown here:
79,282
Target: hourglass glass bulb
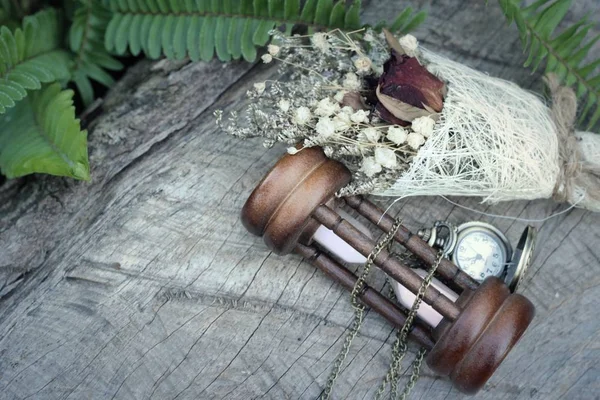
335,245
425,311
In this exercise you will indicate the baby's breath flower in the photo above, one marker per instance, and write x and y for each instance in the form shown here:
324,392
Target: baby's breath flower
319,41
325,127
415,140
360,116
347,110
351,81
273,49
284,105
326,107
397,135
363,65
267,58
260,87
410,45
386,157
302,116
369,134
370,166
339,96
423,125
292,150
342,122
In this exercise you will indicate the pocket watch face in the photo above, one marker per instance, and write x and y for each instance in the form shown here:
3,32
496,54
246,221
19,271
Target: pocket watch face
481,253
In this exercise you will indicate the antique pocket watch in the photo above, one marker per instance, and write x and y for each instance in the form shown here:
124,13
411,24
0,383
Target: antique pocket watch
482,250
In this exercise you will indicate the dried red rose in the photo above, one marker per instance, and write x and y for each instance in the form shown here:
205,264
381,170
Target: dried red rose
406,90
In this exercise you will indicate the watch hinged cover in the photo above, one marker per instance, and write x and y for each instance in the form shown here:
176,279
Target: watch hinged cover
522,258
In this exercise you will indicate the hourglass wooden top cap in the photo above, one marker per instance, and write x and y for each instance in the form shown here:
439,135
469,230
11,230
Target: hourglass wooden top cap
280,206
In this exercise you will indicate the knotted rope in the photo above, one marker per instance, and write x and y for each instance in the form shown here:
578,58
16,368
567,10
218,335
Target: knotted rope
578,180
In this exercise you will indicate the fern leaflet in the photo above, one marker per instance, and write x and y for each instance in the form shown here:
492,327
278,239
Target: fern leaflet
31,56
86,40
563,52
41,134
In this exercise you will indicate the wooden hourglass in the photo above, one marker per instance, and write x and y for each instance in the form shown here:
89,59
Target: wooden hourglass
477,330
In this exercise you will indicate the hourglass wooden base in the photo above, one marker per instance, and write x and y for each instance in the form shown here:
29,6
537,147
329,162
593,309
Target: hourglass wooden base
477,331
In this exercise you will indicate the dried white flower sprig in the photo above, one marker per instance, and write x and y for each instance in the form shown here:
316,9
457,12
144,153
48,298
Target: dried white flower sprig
320,100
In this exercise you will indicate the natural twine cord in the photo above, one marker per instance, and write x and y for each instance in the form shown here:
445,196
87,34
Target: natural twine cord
399,347
575,173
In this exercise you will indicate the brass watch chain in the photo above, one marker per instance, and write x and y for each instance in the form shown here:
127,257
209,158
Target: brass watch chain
400,346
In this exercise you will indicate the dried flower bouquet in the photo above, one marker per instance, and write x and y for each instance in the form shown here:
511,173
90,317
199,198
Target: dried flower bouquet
408,122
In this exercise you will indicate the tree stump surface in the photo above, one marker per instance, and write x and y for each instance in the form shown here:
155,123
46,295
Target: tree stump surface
143,284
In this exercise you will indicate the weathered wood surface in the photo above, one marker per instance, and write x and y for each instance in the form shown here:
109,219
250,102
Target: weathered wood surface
144,284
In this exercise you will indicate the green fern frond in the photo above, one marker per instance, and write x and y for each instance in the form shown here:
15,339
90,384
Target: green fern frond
564,52
86,40
9,16
231,29
407,21
41,134
31,56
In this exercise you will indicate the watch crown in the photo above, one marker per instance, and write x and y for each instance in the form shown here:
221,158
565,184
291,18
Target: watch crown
424,234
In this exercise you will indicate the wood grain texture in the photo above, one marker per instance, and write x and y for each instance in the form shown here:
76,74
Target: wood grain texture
143,284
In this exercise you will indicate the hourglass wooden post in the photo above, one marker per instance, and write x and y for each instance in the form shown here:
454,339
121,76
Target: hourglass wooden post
477,331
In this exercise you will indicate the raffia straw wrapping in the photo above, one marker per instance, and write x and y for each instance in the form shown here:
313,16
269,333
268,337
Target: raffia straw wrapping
496,140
